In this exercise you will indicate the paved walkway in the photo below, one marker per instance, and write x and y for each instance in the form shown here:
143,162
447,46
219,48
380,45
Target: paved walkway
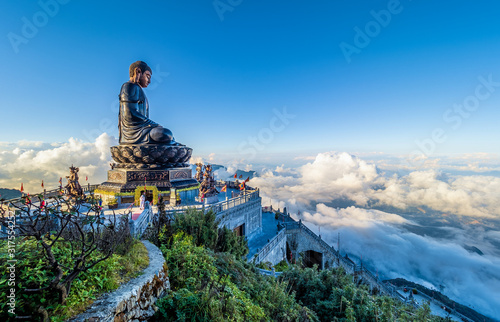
258,239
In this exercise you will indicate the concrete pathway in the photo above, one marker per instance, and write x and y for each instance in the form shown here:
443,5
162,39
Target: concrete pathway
258,239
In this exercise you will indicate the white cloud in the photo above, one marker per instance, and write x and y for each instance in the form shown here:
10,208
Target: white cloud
32,162
351,216
382,238
342,176
476,196
468,278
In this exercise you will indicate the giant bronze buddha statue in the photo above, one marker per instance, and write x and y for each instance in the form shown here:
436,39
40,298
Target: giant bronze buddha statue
134,123
144,143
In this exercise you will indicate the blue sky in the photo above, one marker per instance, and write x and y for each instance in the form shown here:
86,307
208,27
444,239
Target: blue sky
263,81
219,82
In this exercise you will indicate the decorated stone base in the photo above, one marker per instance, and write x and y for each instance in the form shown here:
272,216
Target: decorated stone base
126,185
154,156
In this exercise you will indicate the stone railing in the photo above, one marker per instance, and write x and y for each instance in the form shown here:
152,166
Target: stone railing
243,198
136,299
220,207
261,255
49,194
138,226
269,273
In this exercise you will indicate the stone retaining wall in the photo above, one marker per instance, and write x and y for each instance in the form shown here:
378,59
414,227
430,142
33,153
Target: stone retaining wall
133,301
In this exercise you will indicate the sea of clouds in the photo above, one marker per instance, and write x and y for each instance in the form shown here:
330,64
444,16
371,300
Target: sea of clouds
412,225
410,222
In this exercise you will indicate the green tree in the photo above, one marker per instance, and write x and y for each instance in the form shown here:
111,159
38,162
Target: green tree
76,224
204,229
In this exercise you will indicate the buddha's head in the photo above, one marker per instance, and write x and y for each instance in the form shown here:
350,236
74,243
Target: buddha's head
140,73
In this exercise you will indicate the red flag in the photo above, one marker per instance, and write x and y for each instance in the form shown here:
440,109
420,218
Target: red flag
22,189
42,184
60,181
235,176
223,189
86,178
242,185
248,179
241,176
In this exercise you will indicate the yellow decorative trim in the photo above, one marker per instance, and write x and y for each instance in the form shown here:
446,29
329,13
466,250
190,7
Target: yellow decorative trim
111,193
140,189
188,189
106,193
137,193
125,194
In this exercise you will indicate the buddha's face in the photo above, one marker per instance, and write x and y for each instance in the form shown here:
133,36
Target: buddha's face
145,79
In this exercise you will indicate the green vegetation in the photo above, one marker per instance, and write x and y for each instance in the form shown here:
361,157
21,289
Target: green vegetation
208,286
70,237
33,272
210,280
203,228
209,276
333,296
281,266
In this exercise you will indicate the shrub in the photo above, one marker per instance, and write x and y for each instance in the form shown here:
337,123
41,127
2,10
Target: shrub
32,272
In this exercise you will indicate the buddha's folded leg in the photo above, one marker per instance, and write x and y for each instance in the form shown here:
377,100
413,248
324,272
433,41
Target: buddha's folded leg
161,134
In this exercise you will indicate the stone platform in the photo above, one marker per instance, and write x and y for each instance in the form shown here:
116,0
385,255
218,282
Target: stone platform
127,180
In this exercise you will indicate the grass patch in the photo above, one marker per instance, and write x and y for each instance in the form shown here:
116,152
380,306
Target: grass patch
134,262
111,273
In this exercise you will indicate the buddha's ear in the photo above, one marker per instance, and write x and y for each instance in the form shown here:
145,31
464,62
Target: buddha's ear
137,74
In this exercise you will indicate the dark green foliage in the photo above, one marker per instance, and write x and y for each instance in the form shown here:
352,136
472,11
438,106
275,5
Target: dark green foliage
333,296
281,266
206,286
203,228
199,293
210,280
270,294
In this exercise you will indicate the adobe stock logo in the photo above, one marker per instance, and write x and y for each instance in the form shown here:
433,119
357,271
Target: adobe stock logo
223,6
277,124
30,28
363,37
454,117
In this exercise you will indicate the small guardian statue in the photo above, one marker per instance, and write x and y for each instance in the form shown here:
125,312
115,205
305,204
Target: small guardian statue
199,172
73,188
207,188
